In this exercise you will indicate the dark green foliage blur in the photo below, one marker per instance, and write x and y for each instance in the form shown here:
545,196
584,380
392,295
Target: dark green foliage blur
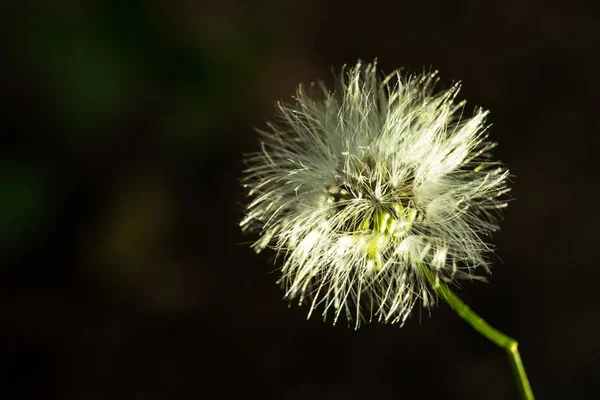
107,78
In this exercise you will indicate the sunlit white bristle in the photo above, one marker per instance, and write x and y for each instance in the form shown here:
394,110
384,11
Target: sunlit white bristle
362,188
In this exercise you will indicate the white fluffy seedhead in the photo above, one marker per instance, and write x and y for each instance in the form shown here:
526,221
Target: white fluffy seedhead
363,189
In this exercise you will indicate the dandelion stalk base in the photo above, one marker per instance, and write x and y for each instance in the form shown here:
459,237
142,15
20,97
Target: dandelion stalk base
509,344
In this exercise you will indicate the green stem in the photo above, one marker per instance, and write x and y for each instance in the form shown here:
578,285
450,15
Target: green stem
507,343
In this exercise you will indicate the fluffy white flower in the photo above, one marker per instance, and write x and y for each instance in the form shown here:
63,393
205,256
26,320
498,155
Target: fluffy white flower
363,188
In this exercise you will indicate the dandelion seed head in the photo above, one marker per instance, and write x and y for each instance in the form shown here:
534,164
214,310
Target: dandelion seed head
362,188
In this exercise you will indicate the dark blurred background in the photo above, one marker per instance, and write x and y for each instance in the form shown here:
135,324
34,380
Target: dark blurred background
123,274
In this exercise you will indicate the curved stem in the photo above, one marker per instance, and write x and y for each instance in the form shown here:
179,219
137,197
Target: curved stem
507,343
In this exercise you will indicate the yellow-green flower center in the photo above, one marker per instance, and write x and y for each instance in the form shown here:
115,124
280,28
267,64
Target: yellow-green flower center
376,231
